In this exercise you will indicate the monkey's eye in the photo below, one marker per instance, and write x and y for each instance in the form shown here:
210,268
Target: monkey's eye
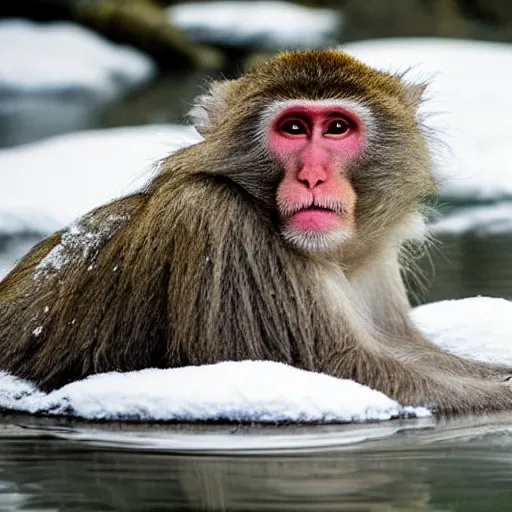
294,127
338,127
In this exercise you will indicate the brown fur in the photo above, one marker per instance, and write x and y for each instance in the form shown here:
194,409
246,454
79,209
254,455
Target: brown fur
194,270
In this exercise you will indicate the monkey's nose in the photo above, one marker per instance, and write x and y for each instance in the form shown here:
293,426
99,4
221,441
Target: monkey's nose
312,177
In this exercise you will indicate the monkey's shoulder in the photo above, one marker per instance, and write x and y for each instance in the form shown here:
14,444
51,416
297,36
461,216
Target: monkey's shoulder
70,250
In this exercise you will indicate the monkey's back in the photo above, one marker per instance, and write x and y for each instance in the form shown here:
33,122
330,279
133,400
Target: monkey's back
156,280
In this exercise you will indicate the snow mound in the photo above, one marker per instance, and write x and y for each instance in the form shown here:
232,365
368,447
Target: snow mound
48,184
266,25
56,57
469,109
245,391
477,328
258,391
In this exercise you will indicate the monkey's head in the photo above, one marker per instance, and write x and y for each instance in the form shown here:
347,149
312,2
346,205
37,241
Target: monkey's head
333,146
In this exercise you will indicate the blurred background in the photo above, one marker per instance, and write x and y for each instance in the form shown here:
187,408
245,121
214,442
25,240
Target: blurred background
92,92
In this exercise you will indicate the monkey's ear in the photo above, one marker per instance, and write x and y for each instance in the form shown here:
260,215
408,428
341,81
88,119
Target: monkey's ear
414,94
210,109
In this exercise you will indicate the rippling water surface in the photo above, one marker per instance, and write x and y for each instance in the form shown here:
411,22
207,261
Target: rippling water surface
408,465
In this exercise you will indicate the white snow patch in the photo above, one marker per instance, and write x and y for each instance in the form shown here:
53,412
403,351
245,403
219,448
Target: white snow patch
50,57
471,107
48,184
478,328
245,391
495,219
267,25
81,241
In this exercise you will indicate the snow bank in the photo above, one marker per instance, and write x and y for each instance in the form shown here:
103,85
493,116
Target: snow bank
266,25
470,108
58,57
478,328
46,185
244,391
247,391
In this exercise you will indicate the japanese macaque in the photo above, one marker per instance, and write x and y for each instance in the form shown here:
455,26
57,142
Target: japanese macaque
278,237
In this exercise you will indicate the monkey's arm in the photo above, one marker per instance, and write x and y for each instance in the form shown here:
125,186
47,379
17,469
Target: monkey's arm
416,384
380,292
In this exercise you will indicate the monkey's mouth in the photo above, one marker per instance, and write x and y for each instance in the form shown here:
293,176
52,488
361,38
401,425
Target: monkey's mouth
315,218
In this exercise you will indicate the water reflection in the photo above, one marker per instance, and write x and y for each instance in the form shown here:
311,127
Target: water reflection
26,118
450,467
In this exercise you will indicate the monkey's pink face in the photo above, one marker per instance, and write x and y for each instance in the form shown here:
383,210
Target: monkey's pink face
314,143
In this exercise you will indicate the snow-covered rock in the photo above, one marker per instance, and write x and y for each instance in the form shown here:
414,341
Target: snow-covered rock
469,108
477,328
39,58
46,185
265,25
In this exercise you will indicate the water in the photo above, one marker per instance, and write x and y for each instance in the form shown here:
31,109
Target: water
25,118
468,265
411,465
459,465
